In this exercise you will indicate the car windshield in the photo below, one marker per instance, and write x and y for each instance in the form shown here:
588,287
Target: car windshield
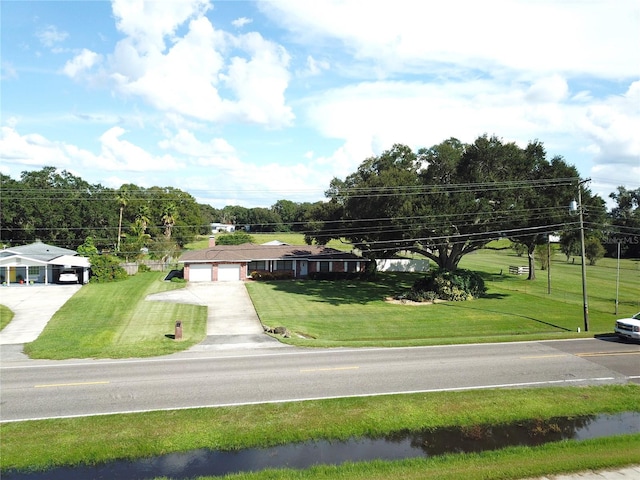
636,316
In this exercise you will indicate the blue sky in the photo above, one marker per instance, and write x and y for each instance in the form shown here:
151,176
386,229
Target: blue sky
249,102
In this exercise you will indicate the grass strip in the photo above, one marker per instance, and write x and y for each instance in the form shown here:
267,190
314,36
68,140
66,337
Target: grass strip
113,320
6,315
509,463
43,444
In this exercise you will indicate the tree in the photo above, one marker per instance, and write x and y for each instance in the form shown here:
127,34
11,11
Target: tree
448,200
55,207
169,215
593,250
122,197
625,224
540,206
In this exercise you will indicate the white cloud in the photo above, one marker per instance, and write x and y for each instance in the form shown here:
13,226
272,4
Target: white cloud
612,125
241,22
50,35
35,150
146,24
596,37
82,62
30,150
371,116
314,67
192,76
259,82
118,154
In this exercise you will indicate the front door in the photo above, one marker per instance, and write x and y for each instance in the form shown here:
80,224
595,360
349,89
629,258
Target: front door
303,268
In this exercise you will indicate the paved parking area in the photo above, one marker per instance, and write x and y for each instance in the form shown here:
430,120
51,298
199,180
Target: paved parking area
33,306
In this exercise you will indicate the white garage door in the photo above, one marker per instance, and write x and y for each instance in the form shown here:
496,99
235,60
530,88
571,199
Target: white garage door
200,273
228,272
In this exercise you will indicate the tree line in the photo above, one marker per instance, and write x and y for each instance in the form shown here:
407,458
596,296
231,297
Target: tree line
441,202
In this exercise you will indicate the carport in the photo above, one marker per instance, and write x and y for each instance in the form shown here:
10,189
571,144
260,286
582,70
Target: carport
40,263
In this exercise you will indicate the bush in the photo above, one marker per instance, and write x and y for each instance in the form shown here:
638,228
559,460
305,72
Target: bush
456,286
106,268
277,275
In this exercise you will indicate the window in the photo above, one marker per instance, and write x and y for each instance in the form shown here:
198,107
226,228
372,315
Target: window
324,266
284,265
34,271
257,265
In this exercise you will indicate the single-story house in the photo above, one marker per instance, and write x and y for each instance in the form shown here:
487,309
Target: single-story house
40,263
220,263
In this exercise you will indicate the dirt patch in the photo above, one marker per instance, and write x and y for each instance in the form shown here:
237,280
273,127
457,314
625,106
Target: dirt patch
411,302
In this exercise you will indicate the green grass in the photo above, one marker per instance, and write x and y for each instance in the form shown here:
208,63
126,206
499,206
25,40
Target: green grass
42,444
260,238
355,313
6,315
113,320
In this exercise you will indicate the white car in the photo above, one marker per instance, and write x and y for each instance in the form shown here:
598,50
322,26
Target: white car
629,327
68,276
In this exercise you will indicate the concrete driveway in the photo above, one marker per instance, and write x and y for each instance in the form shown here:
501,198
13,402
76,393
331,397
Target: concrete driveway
33,306
232,321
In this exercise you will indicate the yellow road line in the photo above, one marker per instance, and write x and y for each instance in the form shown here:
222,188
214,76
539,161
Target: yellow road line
69,384
548,356
328,369
604,354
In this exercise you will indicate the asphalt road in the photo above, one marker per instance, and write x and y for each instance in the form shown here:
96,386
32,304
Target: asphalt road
32,390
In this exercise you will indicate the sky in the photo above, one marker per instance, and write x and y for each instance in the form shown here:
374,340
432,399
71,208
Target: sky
250,102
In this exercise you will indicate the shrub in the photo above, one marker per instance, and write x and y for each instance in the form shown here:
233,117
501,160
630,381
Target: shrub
106,268
458,285
277,275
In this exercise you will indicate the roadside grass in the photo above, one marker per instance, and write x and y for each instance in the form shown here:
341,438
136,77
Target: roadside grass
113,320
355,313
6,315
43,444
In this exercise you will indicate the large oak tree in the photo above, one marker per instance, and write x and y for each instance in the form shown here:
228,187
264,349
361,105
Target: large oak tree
447,201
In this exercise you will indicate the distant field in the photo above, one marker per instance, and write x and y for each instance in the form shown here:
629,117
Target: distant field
259,238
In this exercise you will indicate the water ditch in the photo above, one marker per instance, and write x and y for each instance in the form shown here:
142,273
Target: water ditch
399,445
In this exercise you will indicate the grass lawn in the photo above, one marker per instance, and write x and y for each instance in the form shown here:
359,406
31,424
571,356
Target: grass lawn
6,315
356,313
42,444
113,320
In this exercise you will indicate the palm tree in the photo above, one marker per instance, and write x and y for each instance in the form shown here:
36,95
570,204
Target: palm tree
169,216
122,197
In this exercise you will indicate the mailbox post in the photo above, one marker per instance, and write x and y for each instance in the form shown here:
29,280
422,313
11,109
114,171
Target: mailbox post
178,334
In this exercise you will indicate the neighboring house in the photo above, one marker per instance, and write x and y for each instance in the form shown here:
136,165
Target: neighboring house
222,227
41,263
220,263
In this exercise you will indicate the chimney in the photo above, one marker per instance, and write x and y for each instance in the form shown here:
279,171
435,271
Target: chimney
212,241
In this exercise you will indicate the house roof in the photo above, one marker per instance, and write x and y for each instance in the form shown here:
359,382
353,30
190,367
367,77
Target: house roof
248,252
38,251
42,253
